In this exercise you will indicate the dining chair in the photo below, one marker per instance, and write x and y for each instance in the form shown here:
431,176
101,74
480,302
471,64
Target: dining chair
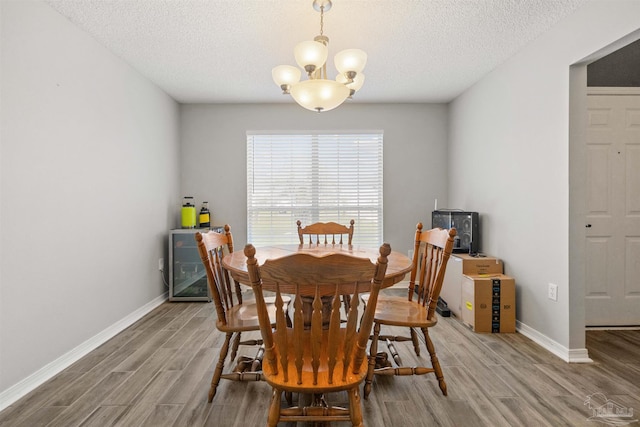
325,355
417,311
234,315
325,232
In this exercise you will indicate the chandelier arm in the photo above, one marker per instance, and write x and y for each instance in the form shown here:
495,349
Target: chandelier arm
350,75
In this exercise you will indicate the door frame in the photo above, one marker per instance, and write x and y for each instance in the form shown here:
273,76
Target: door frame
613,91
577,193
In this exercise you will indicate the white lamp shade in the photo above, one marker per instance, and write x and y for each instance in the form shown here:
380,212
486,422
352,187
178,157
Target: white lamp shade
350,60
319,94
311,53
355,85
285,75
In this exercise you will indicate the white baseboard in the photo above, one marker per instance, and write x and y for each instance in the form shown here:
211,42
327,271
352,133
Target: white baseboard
579,355
15,392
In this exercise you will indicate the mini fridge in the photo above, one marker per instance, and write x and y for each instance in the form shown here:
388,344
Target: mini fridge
187,276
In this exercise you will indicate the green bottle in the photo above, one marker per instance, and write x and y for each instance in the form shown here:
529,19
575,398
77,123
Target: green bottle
205,216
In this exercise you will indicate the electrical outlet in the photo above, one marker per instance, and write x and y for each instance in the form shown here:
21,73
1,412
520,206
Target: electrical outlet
161,264
553,292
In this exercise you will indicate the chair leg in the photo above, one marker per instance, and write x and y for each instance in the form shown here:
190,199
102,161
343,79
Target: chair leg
289,323
414,339
355,407
219,366
373,350
346,301
274,408
234,347
434,361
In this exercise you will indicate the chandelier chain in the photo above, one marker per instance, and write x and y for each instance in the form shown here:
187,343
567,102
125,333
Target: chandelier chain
321,20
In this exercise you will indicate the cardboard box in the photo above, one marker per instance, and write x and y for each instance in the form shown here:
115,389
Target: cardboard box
480,265
458,265
489,303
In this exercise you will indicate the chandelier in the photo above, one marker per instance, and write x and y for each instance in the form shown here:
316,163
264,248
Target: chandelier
318,93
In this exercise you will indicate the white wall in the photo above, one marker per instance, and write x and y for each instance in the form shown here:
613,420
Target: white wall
213,167
509,159
89,175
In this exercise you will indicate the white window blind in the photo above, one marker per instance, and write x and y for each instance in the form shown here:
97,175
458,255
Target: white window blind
313,177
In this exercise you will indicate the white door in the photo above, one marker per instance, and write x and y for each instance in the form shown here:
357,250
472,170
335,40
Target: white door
612,255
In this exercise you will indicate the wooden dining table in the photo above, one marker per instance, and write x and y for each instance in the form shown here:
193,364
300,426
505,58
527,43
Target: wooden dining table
397,267
398,263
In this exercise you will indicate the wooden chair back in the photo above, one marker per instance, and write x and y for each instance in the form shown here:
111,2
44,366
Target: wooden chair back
430,256
316,356
325,232
225,291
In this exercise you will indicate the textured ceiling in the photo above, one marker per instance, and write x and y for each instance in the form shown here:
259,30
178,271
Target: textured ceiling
222,51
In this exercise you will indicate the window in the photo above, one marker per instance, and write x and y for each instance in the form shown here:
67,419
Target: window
313,177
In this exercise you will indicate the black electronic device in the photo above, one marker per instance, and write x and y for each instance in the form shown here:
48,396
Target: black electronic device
442,308
467,225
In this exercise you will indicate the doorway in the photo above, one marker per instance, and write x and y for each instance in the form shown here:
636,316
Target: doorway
579,255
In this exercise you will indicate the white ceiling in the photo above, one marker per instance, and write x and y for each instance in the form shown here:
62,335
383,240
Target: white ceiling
222,51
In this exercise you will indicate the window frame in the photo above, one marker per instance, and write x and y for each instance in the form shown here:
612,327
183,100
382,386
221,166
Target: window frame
311,157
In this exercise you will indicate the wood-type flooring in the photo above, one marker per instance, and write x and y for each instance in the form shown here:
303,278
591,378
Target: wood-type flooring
157,373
